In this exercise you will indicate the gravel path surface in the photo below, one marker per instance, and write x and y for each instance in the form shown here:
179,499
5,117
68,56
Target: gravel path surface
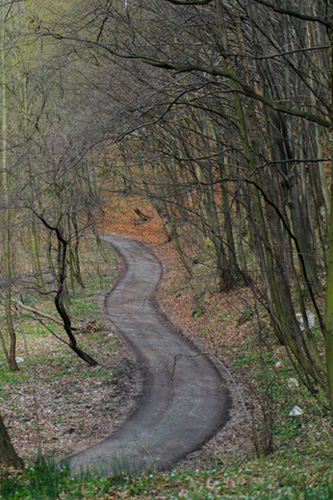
182,404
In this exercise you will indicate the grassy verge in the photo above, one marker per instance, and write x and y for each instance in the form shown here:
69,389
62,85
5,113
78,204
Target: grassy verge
279,477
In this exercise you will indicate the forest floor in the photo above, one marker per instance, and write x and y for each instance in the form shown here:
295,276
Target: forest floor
262,452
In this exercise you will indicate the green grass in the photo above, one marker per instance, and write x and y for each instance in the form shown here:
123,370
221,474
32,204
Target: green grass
43,481
273,478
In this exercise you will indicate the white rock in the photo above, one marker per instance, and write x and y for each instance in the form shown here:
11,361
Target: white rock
310,317
19,360
296,412
292,382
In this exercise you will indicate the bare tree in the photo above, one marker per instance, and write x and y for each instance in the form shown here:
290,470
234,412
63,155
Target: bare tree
265,71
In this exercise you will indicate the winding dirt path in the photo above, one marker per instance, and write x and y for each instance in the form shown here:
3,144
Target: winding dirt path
179,409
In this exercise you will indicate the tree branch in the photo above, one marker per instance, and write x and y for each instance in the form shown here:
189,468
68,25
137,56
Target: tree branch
295,13
42,314
244,88
190,2
178,68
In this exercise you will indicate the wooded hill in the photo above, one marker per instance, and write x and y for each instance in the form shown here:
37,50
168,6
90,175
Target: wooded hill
219,112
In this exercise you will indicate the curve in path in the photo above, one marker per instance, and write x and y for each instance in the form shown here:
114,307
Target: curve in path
175,414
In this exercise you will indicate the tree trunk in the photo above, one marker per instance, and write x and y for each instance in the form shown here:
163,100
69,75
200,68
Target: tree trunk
59,297
329,303
8,455
159,204
6,199
59,302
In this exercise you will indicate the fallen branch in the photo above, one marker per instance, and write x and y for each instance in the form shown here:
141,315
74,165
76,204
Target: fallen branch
143,218
42,314
141,215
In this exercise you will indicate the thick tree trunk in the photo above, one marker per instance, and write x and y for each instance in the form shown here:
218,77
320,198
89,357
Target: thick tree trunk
8,455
